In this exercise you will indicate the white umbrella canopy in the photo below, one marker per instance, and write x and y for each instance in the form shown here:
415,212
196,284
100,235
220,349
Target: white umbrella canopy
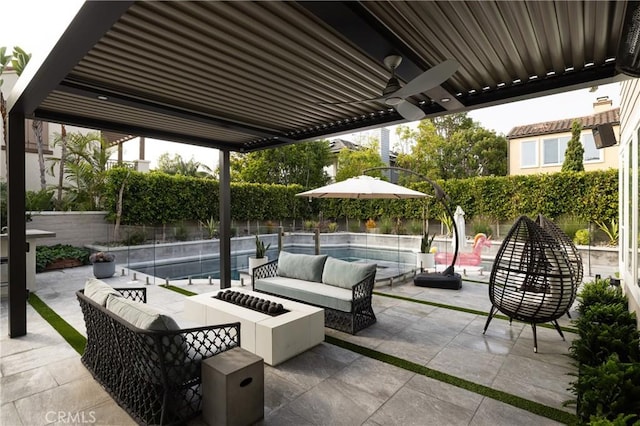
363,187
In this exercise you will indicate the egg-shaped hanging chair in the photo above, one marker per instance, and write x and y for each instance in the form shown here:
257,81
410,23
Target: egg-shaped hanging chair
567,243
533,278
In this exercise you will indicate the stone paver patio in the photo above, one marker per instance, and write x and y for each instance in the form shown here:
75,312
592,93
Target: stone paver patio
43,381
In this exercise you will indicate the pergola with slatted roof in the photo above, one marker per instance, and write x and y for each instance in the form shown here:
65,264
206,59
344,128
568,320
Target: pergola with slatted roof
242,76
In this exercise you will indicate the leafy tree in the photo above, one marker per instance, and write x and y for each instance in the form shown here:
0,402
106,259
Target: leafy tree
300,163
353,163
454,147
573,156
447,125
177,166
85,166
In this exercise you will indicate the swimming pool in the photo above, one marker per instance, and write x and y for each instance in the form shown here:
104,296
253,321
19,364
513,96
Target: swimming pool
209,266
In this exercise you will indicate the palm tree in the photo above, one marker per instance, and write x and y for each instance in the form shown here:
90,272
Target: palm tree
19,61
85,165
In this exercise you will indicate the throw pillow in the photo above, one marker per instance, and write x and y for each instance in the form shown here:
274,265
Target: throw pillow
99,291
305,267
341,273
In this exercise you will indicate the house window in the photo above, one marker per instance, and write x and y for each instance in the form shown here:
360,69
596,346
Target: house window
529,154
553,150
591,153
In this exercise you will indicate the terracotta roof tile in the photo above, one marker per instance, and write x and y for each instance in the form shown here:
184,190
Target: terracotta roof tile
559,126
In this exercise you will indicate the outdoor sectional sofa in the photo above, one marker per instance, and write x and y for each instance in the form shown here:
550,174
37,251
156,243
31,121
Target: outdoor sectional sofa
343,289
143,359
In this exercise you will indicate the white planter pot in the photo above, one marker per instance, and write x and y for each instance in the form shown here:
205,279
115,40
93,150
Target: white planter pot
255,262
426,260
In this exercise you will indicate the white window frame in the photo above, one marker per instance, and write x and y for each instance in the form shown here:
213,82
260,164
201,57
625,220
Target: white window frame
583,138
535,152
559,150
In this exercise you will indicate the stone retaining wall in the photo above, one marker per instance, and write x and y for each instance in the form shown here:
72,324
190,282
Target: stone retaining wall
75,228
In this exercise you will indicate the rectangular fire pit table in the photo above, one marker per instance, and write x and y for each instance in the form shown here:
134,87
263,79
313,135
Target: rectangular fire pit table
274,338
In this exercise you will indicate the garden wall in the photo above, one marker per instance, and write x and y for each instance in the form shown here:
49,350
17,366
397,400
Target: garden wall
75,228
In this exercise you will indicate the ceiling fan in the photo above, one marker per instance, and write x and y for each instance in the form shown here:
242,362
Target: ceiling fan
396,96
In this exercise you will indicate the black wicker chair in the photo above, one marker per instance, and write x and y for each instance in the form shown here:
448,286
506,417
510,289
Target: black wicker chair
153,375
534,277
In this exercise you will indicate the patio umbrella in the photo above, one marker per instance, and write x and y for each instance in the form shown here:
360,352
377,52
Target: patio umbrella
363,187
459,239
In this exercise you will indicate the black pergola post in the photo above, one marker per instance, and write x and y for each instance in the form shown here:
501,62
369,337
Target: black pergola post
225,220
17,227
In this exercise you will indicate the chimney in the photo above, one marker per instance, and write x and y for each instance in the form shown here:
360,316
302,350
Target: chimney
602,103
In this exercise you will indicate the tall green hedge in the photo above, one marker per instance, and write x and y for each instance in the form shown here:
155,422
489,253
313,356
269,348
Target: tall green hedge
157,198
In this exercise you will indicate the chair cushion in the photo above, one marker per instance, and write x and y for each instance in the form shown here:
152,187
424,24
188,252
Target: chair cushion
341,273
141,315
317,294
99,291
305,267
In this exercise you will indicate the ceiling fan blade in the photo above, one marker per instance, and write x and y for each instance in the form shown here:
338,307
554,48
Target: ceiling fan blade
429,79
409,111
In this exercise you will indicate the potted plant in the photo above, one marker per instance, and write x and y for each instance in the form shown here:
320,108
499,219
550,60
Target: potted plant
261,255
104,264
426,258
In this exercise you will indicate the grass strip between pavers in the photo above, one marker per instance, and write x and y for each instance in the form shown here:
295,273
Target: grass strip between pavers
68,333
498,395
178,289
467,310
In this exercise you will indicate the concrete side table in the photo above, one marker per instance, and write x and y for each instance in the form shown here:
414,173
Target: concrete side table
233,388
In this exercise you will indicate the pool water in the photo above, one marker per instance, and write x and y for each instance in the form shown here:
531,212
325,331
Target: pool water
205,267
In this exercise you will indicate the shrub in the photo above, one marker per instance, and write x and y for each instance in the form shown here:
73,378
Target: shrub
39,200
332,227
46,255
599,291
609,390
415,227
386,226
620,420
354,226
570,225
604,330
181,232
582,237
481,226
134,238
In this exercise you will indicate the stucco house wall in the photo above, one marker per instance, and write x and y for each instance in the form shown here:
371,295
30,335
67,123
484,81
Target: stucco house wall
540,147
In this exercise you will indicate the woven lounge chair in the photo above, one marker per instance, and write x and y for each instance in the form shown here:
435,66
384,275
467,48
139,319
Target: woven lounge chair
534,276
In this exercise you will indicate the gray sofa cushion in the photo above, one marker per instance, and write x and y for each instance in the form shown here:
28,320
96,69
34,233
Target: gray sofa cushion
140,315
99,291
345,274
306,291
305,267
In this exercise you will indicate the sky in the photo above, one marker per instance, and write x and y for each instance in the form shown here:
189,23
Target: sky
35,25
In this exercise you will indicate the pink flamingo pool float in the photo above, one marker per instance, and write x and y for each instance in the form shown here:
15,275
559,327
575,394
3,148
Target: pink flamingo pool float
468,259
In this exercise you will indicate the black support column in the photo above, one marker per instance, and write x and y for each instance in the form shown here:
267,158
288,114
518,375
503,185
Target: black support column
225,220
16,220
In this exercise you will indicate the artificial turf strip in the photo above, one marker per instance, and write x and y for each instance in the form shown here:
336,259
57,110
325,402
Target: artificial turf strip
498,395
68,333
178,290
467,310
